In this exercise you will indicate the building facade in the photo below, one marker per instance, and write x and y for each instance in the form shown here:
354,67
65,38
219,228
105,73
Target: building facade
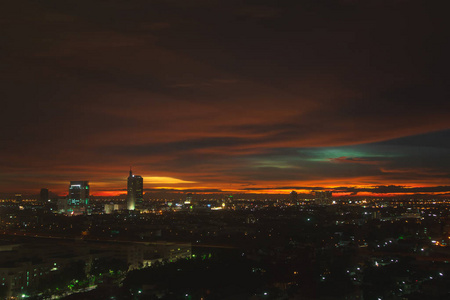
135,188
78,198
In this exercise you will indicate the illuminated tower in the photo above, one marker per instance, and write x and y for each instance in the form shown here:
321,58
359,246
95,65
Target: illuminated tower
135,189
78,202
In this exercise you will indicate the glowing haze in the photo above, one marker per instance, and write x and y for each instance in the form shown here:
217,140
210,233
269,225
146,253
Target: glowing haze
233,96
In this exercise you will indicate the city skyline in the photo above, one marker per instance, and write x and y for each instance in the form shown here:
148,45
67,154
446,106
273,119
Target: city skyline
350,96
292,149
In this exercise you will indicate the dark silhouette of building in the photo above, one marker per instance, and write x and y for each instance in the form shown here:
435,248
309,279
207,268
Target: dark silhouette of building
294,197
43,196
323,197
135,188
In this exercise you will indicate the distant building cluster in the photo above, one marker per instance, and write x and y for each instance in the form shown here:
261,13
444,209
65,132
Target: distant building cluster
316,233
78,199
324,198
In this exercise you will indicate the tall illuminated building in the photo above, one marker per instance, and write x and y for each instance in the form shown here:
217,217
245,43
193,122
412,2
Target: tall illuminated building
78,198
135,189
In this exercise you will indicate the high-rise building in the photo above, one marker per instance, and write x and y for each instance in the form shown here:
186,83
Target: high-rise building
43,196
78,199
135,188
294,197
324,197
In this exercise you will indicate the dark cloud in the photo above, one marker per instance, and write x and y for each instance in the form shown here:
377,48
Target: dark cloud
228,94
178,146
391,189
437,139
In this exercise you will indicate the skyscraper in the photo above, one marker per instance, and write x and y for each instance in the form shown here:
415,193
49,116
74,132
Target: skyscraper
78,199
135,189
43,196
294,197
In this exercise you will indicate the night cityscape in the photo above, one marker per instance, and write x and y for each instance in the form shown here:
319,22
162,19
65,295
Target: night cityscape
211,149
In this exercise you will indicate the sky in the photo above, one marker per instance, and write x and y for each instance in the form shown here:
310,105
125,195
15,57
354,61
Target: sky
227,96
